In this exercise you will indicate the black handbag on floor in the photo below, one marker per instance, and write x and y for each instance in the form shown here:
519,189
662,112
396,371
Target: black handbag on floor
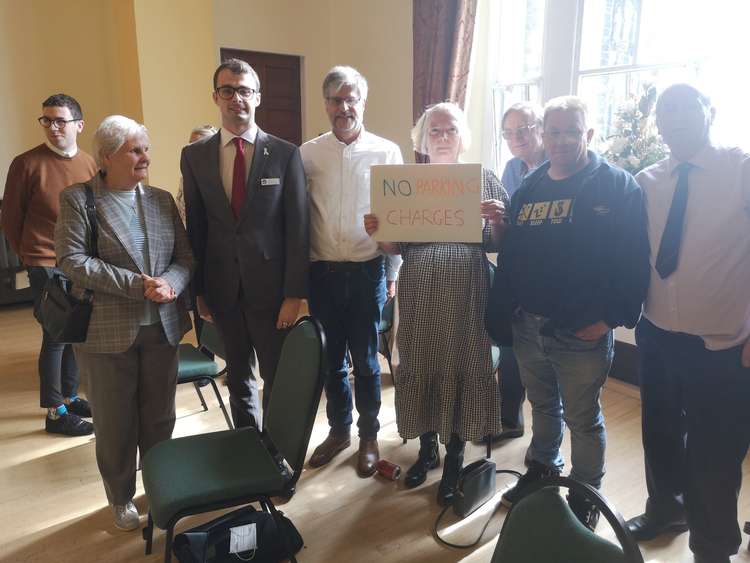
209,543
476,485
65,317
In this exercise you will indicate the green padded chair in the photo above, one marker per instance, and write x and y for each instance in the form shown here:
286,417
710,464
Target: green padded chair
541,528
196,366
206,472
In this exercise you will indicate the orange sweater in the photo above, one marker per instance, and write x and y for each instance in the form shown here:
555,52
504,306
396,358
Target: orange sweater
32,200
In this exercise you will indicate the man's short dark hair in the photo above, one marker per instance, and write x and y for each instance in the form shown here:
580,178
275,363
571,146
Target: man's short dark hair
64,101
235,66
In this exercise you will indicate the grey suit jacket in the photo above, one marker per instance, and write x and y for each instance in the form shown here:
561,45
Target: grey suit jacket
266,249
115,275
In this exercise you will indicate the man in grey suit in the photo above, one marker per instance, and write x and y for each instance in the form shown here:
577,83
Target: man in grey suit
247,220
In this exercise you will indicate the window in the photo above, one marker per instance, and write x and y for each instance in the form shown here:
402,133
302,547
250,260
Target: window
607,50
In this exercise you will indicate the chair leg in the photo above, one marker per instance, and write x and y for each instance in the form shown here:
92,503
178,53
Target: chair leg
148,533
200,395
489,447
168,545
268,505
221,404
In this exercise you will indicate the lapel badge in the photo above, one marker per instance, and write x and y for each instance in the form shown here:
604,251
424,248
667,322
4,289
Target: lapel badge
265,151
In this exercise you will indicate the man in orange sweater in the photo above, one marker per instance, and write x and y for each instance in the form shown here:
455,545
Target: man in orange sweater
30,208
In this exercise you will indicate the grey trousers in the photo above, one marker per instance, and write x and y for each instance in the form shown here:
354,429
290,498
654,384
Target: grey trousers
132,396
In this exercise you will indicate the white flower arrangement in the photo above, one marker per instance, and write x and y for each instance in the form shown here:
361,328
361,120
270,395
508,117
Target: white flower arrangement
636,143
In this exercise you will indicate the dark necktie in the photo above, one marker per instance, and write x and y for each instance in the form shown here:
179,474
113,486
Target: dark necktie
238,177
669,247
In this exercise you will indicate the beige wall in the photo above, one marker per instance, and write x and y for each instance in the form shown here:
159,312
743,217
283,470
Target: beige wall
45,49
134,57
374,37
176,59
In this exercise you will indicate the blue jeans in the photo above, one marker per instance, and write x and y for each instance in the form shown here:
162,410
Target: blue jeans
58,370
563,376
347,298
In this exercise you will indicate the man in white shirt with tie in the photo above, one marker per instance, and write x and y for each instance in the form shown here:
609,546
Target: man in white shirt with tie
347,274
693,336
247,219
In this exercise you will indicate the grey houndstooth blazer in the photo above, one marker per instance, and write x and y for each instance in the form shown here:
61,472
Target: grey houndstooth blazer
115,275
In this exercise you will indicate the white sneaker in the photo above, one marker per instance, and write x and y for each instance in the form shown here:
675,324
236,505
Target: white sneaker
126,517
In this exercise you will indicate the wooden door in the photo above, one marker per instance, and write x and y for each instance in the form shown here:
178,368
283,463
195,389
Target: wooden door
280,110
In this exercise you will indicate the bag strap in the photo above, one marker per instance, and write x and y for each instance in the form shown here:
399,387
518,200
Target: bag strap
486,524
91,214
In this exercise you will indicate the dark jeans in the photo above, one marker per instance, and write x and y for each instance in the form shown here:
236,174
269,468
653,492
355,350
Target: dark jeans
696,431
347,298
58,371
512,391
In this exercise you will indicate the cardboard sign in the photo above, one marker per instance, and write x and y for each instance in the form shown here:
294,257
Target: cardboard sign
427,202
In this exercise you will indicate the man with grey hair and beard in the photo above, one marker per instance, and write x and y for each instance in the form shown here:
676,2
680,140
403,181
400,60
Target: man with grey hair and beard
694,336
347,271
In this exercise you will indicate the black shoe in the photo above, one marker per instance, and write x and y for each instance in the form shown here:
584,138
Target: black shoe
429,458
646,526
536,472
79,407
69,424
454,460
585,510
507,433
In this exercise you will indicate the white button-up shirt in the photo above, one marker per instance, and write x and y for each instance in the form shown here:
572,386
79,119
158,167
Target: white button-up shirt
338,181
709,293
227,152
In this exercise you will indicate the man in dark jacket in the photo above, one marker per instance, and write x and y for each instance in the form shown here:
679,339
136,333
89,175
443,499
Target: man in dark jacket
576,258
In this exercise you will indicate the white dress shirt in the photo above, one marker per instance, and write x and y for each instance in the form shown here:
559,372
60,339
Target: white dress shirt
709,293
227,151
65,154
338,181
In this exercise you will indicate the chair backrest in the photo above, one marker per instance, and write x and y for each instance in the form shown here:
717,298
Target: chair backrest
296,392
210,339
541,528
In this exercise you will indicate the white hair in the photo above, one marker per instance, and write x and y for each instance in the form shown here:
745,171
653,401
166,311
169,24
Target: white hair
112,133
204,130
567,103
419,133
533,110
340,76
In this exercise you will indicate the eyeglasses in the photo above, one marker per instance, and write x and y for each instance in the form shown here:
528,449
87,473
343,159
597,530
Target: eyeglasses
336,101
557,136
228,92
437,133
46,122
524,131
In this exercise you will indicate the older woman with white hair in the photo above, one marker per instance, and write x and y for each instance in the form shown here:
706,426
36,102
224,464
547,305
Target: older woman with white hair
445,385
136,261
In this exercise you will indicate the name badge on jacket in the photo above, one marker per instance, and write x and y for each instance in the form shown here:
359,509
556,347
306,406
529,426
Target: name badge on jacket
270,181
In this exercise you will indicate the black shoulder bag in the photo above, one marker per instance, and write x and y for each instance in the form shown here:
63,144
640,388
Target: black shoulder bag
63,316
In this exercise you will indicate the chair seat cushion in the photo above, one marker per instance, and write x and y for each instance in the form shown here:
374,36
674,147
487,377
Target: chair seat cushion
541,528
213,468
193,363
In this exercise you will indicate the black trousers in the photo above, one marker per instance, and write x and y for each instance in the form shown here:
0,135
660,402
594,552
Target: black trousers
58,370
696,431
512,391
244,330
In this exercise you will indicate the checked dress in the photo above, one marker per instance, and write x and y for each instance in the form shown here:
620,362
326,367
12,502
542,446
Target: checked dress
445,381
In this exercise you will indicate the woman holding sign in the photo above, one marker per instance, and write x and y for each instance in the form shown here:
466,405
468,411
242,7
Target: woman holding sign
445,386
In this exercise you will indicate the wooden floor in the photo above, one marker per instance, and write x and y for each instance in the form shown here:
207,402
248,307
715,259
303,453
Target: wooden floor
53,507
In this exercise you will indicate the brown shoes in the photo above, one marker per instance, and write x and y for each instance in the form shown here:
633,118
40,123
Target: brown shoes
326,451
368,457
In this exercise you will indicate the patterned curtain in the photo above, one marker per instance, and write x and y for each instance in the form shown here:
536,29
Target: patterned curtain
443,33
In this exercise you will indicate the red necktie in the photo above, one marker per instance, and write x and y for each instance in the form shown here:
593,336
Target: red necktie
238,177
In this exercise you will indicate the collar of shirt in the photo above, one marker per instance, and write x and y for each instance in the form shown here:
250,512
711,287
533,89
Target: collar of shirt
702,159
249,135
333,139
60,152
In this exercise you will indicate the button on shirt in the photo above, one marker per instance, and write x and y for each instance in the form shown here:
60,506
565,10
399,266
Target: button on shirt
709,293
338,181
227,152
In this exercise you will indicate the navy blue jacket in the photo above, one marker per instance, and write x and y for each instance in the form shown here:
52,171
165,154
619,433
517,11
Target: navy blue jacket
608,276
